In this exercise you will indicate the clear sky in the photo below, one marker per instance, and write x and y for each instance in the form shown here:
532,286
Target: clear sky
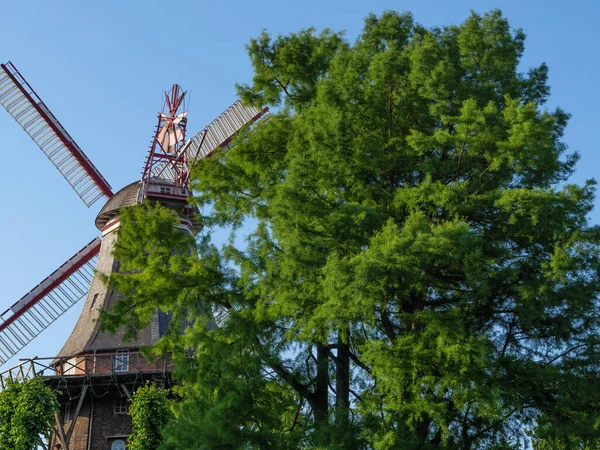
101,67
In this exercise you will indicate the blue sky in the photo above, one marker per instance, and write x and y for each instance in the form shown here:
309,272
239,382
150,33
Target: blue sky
101,68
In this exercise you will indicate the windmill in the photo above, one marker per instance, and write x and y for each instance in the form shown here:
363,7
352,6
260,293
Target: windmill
89,354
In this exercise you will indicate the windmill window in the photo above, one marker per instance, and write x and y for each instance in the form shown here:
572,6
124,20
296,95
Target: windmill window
67,411
122,361
120,405
118,444
94,301
71,365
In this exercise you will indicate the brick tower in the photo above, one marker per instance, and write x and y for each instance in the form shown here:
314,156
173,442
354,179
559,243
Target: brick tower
96,373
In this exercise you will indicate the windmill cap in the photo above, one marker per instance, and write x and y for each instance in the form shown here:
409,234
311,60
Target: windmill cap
128,196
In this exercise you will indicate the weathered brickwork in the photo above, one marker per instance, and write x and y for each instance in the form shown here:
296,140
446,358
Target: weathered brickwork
105,425
80,432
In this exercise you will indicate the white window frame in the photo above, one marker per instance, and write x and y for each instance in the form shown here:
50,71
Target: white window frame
120,406
72,364
122,361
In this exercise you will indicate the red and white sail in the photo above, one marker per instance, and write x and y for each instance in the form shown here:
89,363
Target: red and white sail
46,302
27,108
220,132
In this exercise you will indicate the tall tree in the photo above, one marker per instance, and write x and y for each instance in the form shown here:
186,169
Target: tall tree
419,274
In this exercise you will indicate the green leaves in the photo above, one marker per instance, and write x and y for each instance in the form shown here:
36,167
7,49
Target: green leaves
26,413
149,412
288,67
416,271
155,270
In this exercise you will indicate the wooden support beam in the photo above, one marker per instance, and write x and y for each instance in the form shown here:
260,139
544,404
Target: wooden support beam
74,419
60,432
127,393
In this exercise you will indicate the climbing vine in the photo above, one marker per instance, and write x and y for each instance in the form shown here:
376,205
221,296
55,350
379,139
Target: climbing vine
149,413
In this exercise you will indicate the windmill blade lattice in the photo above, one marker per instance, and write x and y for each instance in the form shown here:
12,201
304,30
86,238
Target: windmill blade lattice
26,107
45,303
220,131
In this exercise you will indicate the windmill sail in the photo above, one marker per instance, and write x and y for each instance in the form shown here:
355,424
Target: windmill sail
26,107
221,130
45,303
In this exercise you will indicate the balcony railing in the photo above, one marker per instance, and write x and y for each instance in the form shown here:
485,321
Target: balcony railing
99,364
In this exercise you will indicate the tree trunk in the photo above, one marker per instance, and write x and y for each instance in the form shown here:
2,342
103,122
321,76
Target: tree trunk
320,403
342,381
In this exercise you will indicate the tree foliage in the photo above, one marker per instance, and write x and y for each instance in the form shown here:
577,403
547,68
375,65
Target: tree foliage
290,64
149,412
419,274
26,413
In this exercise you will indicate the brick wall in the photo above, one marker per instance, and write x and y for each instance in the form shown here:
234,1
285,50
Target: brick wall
106,425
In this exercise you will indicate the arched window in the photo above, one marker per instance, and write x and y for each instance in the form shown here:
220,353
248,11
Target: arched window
118,445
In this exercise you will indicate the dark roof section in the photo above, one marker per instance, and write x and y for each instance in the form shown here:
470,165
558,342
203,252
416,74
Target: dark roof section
127,196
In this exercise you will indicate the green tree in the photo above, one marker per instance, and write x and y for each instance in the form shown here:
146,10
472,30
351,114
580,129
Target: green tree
26,414
149,412
419,274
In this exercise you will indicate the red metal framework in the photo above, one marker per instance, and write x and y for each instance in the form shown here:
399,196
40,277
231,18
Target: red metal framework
28,109
166,165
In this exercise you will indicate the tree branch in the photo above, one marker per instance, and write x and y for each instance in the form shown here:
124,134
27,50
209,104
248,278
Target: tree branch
285,375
